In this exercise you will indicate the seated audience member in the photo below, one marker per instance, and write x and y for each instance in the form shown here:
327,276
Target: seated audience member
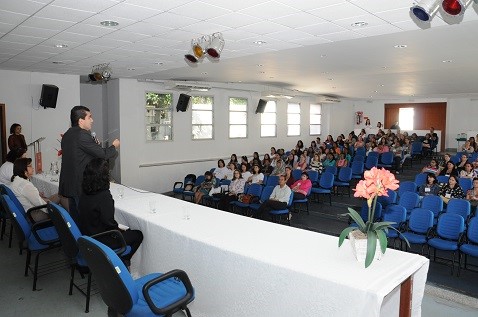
301,187
236,187
273,151
289,179
451,190
472,194
446,159
449,170
461,164
368,125
290,160
299,148
278,199
467,147
316,164
407,149
257,177
244,159
301,164
233,160
245,171
359,143
256,162
27,194
6,170
97,208
342,162
231,167
427,144
221,170
329,141
473,143
266,167
279,169
396,149
205,187
255,156
431,186
348,157
314,146
274,159
266,157
468,171
432,167
329,161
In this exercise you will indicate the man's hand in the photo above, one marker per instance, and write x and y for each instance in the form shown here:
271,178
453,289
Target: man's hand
116,143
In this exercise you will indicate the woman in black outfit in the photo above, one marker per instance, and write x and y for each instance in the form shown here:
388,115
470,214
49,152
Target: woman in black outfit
97,208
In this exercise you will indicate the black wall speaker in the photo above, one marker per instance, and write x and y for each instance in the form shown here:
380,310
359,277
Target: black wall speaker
183,103
261,106
49,95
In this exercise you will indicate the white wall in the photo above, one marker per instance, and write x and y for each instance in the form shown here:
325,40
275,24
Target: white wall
20,91
461,116
91,96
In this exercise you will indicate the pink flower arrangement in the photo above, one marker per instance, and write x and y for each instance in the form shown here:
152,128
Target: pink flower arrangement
376,182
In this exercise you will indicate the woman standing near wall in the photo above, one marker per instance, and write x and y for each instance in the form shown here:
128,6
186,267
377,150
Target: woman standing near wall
16,139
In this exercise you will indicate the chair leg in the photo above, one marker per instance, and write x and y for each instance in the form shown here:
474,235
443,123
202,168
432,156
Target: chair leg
330,199
35,271
27,261
188,313
453,263
72,279
88,293
11,237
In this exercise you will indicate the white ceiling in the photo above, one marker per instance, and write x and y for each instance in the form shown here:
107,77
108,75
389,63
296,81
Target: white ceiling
310,46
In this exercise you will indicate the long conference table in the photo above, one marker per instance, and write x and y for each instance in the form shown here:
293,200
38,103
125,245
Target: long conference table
241,266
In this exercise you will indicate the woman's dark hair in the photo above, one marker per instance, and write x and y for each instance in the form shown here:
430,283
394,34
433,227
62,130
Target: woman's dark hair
20,167
240,174
456,179
235,158
305,173
258,169
13,127
96,176
219,161
208,173
15,154
245,158
255,155
77,113
432,175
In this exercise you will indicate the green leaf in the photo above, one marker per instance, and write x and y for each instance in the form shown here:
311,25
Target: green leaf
382,237
344,234
382,225
400,234
356,217
371,247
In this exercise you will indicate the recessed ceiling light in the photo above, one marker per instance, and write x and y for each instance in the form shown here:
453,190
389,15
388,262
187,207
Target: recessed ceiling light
259,42
239,81
61,45
158,63
334,87
382,85
331,79
323,55
376,91
259,65
448,61
131,68
262,72
58,62
109,23
384,67
204,73
359,24
401,46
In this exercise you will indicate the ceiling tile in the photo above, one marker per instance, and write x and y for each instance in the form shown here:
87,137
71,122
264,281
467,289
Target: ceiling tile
58,39
290,35
11,17
397,15
125,35
322,28
375,6
43,55
158,42
108,42
235,20
4,27
64,37
91,30
98,18
199,10
310,41
146,28
31,58
129,11
270,10
237,34
45,49
233,5
85,5
307,5
94,48
53,12
17,63
30,40
52,24
20,6
378,30
339,11
341,36
371,20
159,5
264,27
300,19
205,28
181,35
171,20
37,32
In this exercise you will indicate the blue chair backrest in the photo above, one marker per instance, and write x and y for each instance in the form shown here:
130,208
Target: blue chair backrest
373,154
407,186
433,203
273,180
417,147
473,157
331,169
345,174
450,226
296,173
409,200
225,182
371,161
364,211
388,200
442,179
266,193
420,220
395,213
6,190
387,158
421,179
357,167
465,183
460,207
327,180
313,175
22,225
199,180
359,158
472,231
360,151
255,190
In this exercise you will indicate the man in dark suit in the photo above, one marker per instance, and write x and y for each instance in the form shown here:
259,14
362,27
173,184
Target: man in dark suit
79,147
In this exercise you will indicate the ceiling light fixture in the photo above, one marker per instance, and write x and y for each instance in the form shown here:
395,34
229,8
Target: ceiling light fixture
109,23
447,61
359,24
401,46
425,9
211,45
58,63
100,72
215,46
260,42
61,45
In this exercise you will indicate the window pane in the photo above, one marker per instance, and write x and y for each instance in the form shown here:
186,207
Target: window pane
271,106
158,116
202,107
315,109
268,118
314,129
206,100
315,119
293,108
202,131
293,118
238,131
268,130
237,104
202,117
405,118
163,133
293,129
237,117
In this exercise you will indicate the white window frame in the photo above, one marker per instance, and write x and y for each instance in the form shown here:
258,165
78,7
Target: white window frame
150,115
268,112
293,109
232,112
312,118
199,124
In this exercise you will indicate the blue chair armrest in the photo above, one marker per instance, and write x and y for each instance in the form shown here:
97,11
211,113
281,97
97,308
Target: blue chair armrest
115,234
29,211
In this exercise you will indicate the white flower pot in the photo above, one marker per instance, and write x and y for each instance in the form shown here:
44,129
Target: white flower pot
358,240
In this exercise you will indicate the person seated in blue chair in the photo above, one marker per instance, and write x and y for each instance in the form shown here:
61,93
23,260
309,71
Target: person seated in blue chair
431,186
97,208
277,200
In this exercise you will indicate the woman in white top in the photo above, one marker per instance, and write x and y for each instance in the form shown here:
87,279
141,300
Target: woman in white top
26,192
6,170
245,171
221,171
257,177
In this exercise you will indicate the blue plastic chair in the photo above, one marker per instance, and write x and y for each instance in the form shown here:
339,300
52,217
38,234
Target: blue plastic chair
296,173
450,228
433,203
360,151
178,187
266,193
371,161
277,214
364,213
254,190
331,169
386,160
407,186
305,201
391,199
153,294
442,179
357,169
418,228
409,200
469,247
36,238
398,215
313,176
373,154
460,207
273,180
359,158
326,184
343,179
465,183
417,148
421,179
190,193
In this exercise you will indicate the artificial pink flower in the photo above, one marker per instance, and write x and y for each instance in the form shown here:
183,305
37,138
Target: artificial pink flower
376,182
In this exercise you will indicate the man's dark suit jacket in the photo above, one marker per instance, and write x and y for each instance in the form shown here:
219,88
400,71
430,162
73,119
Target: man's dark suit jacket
79,148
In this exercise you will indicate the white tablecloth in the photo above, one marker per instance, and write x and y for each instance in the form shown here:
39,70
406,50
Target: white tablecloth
245,267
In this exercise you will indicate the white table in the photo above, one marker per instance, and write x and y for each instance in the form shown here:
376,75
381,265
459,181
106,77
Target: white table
245,267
